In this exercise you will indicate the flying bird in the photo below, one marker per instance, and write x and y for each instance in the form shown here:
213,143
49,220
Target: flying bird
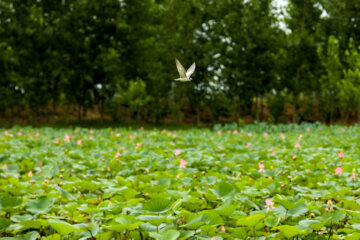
184,75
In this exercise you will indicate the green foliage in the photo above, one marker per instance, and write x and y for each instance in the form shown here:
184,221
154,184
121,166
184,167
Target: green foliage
117,57
331,77
88,190
135,97
289,231
63,228
168,235
39,206
349,94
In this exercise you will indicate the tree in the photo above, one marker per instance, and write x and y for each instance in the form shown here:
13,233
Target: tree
349,86
331,76
302,59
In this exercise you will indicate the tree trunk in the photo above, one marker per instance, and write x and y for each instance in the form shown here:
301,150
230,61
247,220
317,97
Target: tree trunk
84,107
261,107
79,112
317,105
53,110
298,72
198,122
296,94
67,113
257,108
347,115
102,110
295,107
331,111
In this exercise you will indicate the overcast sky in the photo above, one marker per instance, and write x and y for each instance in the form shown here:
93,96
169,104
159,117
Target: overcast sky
281,2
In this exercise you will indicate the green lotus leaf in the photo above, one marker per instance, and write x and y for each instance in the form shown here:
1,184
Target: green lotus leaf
129,222
251,220
224,189
157,205
62,227
9,202
167,235
289,231
39,206
4,223
20,218
298,210
154,220
196,222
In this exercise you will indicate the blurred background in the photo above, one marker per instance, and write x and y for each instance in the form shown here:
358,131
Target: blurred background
113,61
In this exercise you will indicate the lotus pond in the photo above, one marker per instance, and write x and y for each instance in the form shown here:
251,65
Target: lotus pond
255,182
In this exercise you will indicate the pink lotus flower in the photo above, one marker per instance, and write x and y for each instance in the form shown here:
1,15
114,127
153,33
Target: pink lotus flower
37,134
6,133
266,135
66,138
177,152
308,129
219,132
78,142
91,131
294,157
117,135
249,134
138,145
130,137
296,145
223,230
19,133
282,135
40,164
273,152
30,174
338,170
235,131
269,204
5,166
91,138
171,143
353,176
300,137
174,135
182,163
213,238
57,141
118,154
248,144
341,155
261,168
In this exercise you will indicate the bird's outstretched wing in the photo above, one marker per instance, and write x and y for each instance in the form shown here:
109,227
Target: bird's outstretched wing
191,70
180,69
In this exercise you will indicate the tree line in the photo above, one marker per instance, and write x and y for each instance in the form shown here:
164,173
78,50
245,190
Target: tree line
300,63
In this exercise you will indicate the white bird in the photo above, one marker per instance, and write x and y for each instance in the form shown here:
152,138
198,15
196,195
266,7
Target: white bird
184,75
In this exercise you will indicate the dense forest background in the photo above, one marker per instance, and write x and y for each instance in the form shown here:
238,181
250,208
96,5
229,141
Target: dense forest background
113,60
